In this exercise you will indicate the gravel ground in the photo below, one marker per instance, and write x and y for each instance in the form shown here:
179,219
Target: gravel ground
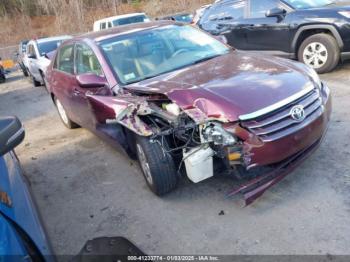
86,189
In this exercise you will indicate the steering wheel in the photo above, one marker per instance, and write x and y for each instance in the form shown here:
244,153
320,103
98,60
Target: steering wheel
182,50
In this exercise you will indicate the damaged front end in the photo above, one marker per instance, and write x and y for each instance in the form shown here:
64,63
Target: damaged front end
204,141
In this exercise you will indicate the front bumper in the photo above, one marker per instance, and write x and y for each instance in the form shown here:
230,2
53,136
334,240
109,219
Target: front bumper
258,153
284,154
255,188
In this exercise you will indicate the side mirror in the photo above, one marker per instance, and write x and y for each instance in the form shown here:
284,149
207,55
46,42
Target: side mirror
11,134
276,12
91,80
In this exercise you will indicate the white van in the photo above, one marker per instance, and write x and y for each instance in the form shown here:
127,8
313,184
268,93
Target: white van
113,21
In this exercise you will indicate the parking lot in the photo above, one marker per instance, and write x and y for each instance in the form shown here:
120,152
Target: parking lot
86,189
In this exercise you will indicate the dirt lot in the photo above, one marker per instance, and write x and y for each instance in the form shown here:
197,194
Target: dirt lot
86,189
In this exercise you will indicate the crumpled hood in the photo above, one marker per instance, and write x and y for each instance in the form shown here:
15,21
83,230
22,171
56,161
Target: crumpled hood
231,85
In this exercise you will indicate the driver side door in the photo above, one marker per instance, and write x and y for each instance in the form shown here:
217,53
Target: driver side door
266,33
86,62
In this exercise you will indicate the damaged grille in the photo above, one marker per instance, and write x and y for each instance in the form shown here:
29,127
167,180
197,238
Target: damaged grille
279,123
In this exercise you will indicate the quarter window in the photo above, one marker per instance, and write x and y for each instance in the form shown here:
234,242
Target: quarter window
86,61
65,59
258,8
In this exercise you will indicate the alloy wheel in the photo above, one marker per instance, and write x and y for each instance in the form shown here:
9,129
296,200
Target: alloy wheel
62,112
315,55
144,164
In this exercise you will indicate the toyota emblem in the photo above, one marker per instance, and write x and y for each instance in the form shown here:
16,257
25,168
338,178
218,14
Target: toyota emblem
298,113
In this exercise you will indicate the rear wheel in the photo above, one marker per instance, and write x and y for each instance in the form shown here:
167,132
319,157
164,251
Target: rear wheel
24,70
320,51
63,115
157,166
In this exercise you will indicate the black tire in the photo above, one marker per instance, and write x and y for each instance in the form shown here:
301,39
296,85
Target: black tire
2,79
36,83
24,70
330,44
43,81
67,122
161,165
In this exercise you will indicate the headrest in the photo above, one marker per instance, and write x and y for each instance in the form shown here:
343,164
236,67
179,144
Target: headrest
120,48
147,49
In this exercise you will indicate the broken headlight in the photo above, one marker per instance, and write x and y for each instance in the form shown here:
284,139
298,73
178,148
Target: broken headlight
216,134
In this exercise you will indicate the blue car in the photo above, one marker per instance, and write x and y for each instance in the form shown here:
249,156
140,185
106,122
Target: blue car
22,235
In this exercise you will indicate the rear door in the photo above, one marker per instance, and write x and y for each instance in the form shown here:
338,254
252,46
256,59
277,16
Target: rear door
227,17
266,33
63,78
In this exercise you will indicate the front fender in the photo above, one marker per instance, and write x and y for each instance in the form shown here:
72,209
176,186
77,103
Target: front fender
304,28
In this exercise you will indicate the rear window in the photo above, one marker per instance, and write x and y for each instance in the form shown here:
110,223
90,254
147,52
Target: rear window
131,20
48,47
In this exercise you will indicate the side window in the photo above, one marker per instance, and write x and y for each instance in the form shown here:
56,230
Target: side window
86,61
109,24
103,26
65,59
258,8
31,51
227,11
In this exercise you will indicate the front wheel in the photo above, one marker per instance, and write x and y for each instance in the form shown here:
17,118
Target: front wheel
157,166
321,52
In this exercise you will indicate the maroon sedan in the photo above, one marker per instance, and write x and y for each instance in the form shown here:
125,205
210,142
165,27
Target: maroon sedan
184,103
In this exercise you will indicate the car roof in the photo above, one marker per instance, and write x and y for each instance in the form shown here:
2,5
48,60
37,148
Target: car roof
49,39
177,14
119,17
124,29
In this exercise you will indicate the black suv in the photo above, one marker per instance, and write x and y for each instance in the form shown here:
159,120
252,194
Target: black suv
316,32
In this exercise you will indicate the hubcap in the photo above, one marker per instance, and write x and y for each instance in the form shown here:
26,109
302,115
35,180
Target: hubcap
144,164
62,112
315,55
